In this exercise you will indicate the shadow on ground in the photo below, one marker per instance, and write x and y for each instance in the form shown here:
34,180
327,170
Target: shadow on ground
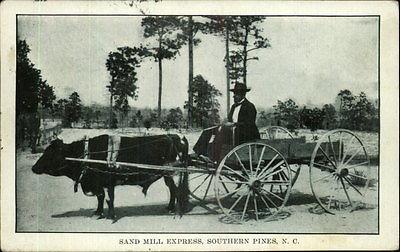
130,211
299,198
211,207
237,220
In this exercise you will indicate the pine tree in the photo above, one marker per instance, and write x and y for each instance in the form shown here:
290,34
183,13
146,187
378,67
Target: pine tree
166,46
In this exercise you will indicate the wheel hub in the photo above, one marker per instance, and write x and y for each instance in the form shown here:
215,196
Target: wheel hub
256,185
343,172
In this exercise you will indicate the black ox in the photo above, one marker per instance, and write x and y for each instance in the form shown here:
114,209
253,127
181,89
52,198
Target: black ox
95,179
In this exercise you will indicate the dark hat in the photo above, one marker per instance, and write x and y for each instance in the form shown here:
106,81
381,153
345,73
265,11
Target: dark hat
240,87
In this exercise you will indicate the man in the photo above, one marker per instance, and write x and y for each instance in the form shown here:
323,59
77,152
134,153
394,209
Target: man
216,141
243,116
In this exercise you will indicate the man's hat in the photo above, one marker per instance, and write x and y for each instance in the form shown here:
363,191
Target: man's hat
240,87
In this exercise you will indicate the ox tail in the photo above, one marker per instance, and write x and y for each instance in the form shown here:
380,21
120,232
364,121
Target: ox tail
183,186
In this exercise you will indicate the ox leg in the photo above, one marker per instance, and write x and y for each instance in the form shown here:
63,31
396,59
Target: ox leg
172,191
100,205
110,202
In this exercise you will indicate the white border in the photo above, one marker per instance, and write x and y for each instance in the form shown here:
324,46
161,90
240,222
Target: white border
389,90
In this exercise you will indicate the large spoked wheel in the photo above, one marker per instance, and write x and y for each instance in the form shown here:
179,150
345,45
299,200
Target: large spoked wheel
340,171
253,181
277,133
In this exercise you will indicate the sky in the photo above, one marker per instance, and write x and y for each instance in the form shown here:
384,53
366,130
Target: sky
310,59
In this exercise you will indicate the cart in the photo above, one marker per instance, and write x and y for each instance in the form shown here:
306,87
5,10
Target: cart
254,180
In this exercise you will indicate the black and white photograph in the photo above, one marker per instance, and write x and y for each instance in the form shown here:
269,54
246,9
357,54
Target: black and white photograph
203,123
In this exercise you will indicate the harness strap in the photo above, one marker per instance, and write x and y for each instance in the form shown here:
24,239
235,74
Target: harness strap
85,156
78,181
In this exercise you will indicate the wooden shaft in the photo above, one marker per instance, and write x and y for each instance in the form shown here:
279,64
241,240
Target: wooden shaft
189,169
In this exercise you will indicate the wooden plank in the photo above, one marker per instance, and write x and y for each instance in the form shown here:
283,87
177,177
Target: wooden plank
299,140
305,150
297,150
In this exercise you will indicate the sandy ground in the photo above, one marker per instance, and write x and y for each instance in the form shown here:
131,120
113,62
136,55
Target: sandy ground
46,203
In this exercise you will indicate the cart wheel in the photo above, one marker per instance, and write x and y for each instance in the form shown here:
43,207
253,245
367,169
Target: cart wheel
252,181
276,133
201,186
340,171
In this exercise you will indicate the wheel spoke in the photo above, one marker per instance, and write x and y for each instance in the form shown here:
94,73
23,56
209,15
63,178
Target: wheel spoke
240,162
333,150
353,186
273,194
324,177
255,205
262,194
224,186
324,166
345,191
208,188
236,202
275,172
263,200
237,173
346,151
357,176
351,158
280,188
356,165
233,192
245,206
201,183
203,174
284,176
259,161
267,166
326,156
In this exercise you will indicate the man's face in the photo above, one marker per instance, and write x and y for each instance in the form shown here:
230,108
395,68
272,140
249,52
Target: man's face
238,96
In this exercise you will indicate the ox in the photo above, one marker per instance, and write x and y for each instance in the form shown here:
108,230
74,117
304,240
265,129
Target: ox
96,179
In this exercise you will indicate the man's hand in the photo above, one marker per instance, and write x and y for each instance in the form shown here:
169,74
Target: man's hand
229,124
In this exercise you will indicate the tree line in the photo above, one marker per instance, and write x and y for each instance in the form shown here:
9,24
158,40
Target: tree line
349,111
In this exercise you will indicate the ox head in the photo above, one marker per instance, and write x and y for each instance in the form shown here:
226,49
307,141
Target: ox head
52,159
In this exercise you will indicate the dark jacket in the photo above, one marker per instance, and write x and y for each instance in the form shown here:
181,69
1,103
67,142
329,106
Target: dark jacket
246,129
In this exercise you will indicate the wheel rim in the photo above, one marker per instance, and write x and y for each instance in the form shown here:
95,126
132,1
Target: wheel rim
253,181
276,133
340,171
